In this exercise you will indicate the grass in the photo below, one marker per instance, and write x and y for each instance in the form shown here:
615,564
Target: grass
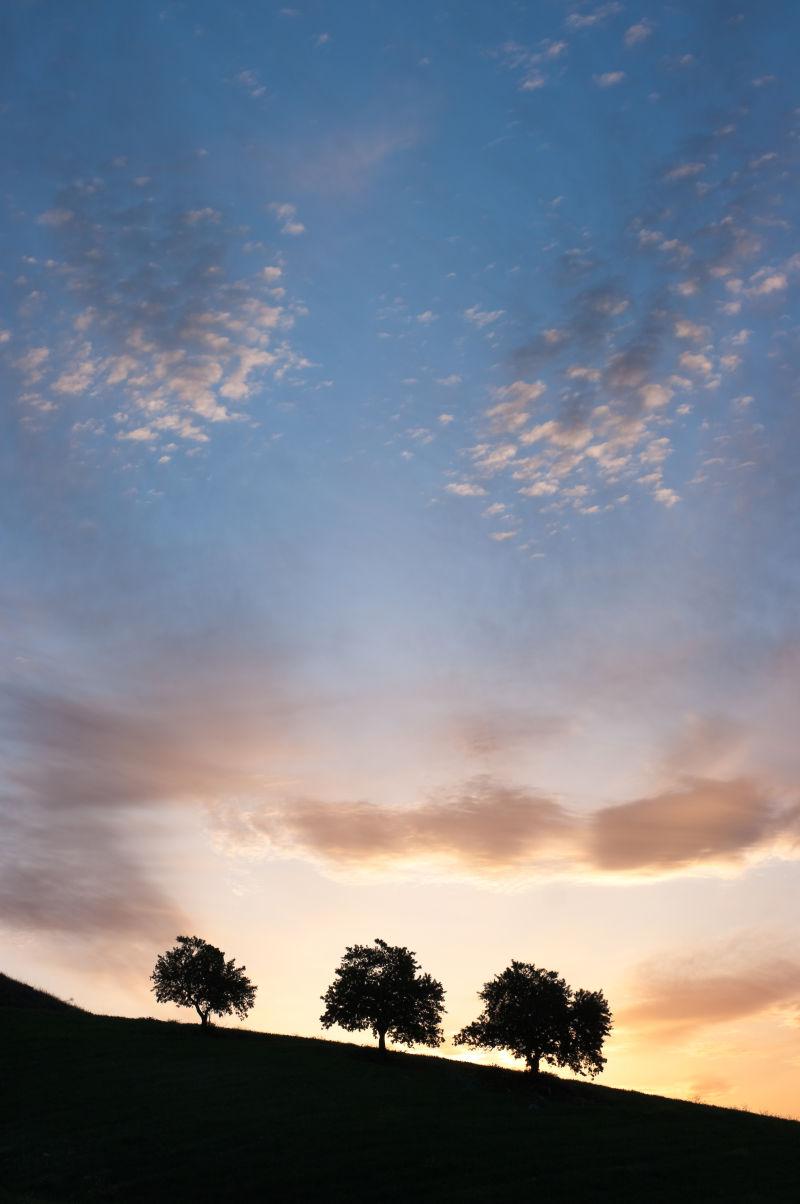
100,1108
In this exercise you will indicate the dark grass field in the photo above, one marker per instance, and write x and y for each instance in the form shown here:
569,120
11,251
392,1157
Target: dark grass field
97,1108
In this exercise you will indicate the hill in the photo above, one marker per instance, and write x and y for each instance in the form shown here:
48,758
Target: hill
100,1108
14,994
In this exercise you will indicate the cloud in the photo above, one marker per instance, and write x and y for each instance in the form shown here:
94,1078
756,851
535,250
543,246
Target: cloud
250,82
695,361
72,768
581,372
685,171
69,874
206,214
765,281
87,776
702,821
609,79
484,734
655,396
684,329
595,445
286,214
512,405
666,496
347,160
617,356
77,378
147,323
55,217
31,364
638,33
498,831
465,489
139,434
481,827
482,317
596,16
530,62
85,779
722,985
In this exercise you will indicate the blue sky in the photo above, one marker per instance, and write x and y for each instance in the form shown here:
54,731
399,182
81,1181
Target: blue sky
400,499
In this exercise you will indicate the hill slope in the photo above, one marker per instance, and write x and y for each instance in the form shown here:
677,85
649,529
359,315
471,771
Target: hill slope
15,994
98,1108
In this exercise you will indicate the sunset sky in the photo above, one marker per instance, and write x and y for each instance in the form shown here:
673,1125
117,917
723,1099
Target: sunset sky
400,506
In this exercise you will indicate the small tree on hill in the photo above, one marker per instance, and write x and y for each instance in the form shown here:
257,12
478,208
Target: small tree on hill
196,974
537,1017
378,987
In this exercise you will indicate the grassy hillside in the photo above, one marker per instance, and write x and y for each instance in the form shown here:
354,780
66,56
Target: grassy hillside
97,1108
14,994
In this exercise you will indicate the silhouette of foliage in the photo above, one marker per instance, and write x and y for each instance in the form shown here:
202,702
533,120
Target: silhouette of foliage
196,974
534,1014
378,987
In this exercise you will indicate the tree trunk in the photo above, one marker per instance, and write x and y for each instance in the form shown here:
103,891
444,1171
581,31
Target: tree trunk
533,1063
382,1040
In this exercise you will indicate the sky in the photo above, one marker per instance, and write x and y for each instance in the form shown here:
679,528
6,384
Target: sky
400,508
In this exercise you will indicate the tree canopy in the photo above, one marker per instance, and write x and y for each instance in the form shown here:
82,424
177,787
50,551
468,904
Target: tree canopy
535,1015
196,974
379,987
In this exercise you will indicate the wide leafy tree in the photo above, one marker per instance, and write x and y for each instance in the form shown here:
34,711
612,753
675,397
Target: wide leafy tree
196,974
535,1016
378,987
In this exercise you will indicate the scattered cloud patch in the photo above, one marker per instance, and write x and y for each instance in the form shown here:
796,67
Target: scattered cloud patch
580,19
286,214
55,217
638,33
250,82
482,317
609,79
465,489
152,330
685,171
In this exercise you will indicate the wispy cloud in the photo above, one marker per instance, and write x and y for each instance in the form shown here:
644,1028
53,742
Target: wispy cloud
533,66
250,82
286,214
638,33
349,158
588,18
734,982
491,829
609,79
482,317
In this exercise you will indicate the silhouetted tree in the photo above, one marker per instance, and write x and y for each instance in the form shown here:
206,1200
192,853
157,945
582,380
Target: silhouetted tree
378,987
537,1017
196,974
